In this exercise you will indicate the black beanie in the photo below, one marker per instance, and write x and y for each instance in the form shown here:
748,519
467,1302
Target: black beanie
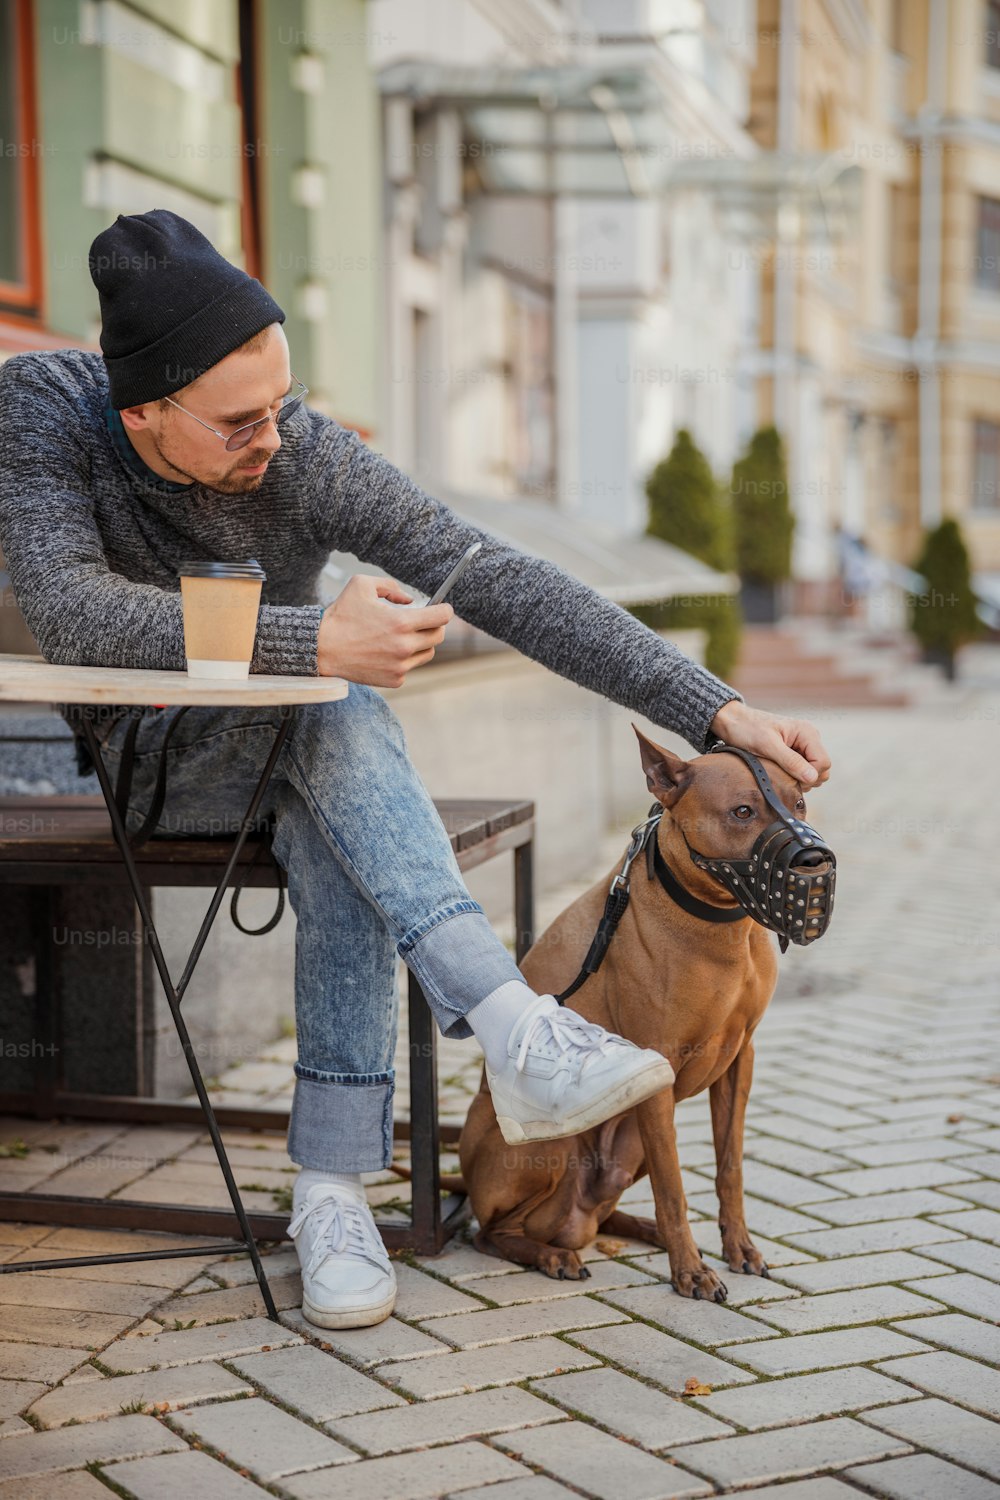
171,305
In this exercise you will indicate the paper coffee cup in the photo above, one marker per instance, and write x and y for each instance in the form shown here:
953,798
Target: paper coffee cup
220,602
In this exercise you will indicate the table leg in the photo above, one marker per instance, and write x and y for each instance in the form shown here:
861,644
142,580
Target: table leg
424,1131
173,993
47,1036
524,898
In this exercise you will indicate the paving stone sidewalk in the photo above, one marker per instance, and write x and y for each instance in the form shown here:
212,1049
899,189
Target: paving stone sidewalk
868,1364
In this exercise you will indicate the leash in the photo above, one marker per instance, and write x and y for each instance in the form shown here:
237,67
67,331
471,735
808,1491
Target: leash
615,905
123,787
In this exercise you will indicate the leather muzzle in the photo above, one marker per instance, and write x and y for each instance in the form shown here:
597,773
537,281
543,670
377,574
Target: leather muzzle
787,881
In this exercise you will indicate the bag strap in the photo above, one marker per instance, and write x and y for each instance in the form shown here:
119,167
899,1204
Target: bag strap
123,787
266,842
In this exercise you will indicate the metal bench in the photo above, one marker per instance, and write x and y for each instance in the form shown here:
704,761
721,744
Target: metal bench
48,842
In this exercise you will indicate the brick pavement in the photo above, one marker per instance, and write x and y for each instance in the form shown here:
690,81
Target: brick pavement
868,1364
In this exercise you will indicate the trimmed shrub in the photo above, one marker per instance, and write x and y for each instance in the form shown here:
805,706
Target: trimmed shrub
686,506
944,617
718,615
763,522
690,510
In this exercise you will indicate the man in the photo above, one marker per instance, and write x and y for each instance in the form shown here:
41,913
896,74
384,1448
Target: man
188,440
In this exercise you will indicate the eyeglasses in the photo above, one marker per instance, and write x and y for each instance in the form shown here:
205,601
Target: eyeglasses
244,435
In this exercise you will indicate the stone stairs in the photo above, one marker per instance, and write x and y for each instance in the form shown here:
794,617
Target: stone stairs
809,662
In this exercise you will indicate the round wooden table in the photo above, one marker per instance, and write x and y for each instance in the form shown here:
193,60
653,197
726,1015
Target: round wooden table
31,679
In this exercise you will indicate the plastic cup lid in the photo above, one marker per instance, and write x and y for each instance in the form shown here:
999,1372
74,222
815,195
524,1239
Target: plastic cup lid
249,569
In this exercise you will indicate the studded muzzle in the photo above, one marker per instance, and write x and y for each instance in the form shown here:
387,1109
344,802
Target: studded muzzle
787,881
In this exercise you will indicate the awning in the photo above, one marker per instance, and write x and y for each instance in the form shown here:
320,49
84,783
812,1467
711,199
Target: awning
628,569
580,130
781,194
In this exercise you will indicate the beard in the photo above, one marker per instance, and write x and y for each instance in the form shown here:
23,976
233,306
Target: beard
228,482
235,483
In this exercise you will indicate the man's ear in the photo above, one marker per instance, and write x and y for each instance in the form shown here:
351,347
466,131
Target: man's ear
136,418
667,776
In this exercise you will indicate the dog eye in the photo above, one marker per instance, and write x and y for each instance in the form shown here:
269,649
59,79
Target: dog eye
800,805
744,811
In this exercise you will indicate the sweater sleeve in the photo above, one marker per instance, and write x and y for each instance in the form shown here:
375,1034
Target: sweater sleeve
79,610
361,503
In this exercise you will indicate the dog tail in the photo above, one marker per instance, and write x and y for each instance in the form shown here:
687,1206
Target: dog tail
453,1181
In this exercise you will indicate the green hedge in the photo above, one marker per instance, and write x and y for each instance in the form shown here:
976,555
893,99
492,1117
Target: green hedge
762,514
691,510
718,615
944,618
688,507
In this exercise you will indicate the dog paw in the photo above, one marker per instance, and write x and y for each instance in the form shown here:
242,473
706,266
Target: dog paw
562,1265
701,1283
747,1258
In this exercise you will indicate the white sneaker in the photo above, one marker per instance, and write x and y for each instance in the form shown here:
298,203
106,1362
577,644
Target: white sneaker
348,1280
564,1074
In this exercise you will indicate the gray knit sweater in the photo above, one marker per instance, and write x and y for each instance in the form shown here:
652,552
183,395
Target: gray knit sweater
93,543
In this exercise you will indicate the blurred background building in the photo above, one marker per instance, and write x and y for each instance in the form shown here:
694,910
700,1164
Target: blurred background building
521,242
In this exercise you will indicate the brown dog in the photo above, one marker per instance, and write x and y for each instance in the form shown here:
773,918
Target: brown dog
691,989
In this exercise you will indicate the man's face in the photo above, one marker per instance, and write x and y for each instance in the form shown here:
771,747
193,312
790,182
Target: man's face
241,388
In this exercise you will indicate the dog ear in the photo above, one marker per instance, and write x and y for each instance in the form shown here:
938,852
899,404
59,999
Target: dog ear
667,776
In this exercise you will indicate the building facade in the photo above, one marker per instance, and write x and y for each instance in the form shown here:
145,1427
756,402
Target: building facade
555,312
521,242
613,218
880,347
255,119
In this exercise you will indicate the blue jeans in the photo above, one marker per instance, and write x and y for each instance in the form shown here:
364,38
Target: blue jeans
371,874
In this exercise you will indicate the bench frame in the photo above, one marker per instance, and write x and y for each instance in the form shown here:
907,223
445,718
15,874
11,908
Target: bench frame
479,830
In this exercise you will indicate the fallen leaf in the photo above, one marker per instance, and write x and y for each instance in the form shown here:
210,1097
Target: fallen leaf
609,1247
693,1387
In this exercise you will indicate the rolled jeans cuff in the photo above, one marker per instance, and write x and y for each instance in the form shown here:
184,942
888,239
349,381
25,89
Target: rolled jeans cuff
341,1122
458,960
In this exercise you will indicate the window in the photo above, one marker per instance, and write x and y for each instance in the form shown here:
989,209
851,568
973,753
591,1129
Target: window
993,34
248,100
889,473
987,264
986,466
897,242
898,27
20,151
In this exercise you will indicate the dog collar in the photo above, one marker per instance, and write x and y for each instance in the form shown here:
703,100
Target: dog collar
657,865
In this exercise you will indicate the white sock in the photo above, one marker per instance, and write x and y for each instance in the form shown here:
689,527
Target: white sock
494,1018
309,1176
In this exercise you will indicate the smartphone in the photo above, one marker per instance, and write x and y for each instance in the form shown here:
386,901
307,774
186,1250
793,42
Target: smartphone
455,574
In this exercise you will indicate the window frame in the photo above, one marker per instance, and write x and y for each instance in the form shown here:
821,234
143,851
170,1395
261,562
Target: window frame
24,298
248,100
981,448
987,259
992,37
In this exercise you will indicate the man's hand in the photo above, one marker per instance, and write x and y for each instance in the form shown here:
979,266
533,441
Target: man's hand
794,744
363,638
